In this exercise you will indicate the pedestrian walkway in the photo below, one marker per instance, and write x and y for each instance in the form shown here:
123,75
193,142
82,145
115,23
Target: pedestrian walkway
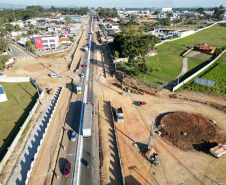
19,174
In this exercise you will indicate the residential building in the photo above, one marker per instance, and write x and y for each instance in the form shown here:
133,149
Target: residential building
31,21
206,49
19,23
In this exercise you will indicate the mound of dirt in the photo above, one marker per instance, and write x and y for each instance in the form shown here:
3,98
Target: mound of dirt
37,67
190,131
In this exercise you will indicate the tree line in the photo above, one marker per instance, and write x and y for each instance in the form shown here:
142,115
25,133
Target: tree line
6,15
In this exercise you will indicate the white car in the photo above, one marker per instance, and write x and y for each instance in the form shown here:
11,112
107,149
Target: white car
82,75
73,136
54,75
213,121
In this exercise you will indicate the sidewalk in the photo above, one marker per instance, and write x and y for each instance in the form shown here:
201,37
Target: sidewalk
19,173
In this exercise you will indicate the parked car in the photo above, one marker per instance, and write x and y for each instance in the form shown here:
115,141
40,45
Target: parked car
54,75
213,121
84,65
141,103
82,75
67,169
73,136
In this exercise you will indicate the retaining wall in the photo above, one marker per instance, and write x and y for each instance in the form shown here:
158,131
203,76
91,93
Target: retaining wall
16,139
123,179
196,73
56,100
75,51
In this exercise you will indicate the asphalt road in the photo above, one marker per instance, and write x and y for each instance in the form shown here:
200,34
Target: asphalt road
89,169
72,124
17,52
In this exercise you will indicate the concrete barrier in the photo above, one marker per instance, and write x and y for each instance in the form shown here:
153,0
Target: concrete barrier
120,161
196,73
57,96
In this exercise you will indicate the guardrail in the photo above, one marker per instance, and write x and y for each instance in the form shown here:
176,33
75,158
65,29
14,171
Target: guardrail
196,73
16,139
44,134
123,179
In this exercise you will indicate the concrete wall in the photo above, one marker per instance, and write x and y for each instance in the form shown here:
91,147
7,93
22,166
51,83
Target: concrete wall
123,179
56,100
195,74
14,79
16,139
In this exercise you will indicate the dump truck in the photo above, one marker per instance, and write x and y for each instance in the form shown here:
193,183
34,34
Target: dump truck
79,88
119,114
87,121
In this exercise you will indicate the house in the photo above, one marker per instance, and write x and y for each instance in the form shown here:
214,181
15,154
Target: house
164,9
64,40
206,49
15,33
31,21
19,23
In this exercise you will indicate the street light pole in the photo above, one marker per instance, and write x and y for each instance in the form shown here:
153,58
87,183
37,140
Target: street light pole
13,12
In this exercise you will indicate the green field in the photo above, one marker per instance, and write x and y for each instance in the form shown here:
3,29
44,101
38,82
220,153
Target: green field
11,113
217,73
187,27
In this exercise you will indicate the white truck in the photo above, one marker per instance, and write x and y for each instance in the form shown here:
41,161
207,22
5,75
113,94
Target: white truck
87,121
86,48
119,114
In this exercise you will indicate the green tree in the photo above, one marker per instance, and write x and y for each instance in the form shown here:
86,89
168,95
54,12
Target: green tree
116,54
9,27
31,26
28,43
18,39
30,32
2,45
157,13
36,31
221,7
200,10
3,60
217,51
169,14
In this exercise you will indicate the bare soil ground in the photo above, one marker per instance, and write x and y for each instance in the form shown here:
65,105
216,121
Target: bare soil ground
37,67
190,131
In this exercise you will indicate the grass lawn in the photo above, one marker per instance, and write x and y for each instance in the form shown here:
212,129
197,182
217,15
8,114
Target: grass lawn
168,61
11,113
166,67
187,27
215,72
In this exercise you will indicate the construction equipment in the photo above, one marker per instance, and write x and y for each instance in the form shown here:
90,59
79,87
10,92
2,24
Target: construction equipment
10,67
119,114
141,90
79,88
50,91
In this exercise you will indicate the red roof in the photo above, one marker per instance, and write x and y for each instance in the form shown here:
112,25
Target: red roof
206,47
63,39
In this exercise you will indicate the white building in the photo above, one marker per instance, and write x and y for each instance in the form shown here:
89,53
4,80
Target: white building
19,23
31,21
2,94
44,42
164,9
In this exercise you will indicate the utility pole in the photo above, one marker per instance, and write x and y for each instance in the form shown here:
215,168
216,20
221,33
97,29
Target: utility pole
56,66
13,12
122,81
38,94
149,142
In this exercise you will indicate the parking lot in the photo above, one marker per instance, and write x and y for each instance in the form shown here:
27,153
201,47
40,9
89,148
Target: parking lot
50,51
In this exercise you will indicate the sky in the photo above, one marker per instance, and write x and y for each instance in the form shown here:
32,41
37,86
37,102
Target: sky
123,3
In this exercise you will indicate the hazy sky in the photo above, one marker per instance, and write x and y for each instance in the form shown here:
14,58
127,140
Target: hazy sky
123,3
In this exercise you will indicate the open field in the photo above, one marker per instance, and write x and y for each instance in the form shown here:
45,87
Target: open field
215,72
13,114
